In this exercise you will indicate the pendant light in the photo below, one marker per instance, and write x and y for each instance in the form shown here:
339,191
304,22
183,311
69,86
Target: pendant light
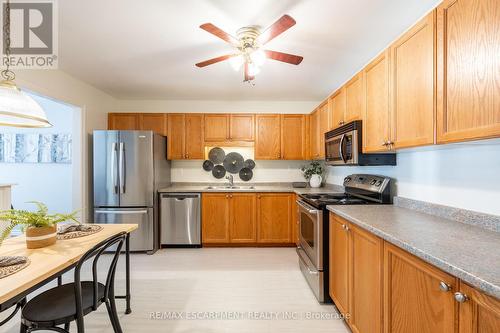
16,108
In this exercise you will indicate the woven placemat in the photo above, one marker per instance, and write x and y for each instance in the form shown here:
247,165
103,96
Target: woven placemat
9,270
77,234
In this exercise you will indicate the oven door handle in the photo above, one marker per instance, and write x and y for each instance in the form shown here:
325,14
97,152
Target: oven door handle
341,150
310,211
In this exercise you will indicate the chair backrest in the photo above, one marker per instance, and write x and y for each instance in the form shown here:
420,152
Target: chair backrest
96,252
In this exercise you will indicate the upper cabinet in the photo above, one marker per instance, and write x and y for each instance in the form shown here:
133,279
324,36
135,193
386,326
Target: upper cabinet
185,136
176,136
354,98
293,137
156,122
314,130
216,127
468,76
324,126
337,103
123,121
268,137
229,127
412,57
376,120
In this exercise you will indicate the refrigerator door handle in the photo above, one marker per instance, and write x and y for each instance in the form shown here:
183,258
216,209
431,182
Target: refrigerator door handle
142,211
112,170
121,167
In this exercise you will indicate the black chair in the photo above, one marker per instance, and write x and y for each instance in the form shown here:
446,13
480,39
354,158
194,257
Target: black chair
72,301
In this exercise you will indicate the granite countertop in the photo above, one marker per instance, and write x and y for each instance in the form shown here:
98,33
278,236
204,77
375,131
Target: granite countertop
257,187
468,252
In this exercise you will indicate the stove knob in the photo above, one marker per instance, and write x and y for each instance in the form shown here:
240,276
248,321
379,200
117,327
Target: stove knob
347,179
378,183
373,182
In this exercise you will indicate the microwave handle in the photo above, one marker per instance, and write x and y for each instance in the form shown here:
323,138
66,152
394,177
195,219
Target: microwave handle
341,152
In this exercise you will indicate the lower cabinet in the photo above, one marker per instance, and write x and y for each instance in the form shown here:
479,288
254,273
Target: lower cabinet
247,218
356,275
417,296
478,312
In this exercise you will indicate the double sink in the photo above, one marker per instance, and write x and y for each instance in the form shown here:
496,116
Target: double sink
230,188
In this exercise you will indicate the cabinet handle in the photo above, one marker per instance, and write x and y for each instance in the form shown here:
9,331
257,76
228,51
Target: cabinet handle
230,195
187,156
227,196
345,227
461,298
341,122
443,286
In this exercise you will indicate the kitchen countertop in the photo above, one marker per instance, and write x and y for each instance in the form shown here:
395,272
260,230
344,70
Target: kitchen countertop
468,252
259,187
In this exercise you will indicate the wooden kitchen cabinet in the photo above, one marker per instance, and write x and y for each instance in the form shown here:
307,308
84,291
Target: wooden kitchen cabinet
274,217
156,122
243,221
376,122
413,300
216,127
479,313
242,127
123,121
194,129
412,58
185,136
293,137
268,137
176,136
468,70
215,214
324,126
339,263
338,106
365,279
314,130
354,98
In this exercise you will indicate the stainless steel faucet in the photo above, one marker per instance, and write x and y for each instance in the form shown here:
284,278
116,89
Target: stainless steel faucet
231,180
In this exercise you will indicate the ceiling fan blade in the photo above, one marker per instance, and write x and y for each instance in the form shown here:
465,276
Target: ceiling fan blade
248,77
284,57
215,60
210,28
277,28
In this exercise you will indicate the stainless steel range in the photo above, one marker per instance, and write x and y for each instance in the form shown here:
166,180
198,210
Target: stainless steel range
314,225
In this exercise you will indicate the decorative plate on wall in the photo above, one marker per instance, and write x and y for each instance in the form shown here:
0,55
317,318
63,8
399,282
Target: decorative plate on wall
246,174
208,165
218,171
233,162
216,155
250,164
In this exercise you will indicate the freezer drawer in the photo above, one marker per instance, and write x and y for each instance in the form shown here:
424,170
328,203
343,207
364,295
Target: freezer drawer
141,239
180,219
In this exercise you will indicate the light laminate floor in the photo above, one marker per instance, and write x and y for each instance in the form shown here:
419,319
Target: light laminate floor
217,290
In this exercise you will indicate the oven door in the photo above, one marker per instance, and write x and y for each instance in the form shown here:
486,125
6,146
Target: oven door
342,149
311,232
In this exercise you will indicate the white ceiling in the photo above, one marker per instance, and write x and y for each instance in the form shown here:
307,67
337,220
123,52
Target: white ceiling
147,49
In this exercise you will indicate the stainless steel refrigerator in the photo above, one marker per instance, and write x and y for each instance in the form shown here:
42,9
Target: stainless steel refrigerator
129,168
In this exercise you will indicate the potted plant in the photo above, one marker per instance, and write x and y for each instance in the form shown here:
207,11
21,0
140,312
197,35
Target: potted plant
40,226
314,173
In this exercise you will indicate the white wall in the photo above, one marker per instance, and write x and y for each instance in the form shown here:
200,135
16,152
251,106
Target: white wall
50,183
463,175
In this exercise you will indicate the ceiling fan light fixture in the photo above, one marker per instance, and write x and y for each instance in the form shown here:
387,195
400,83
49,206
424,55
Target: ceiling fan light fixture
258,57
253,69
237,62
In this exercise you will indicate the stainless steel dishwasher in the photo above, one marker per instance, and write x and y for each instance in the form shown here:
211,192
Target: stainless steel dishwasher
180,220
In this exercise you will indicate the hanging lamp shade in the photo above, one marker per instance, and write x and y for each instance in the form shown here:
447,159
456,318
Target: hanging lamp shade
18,109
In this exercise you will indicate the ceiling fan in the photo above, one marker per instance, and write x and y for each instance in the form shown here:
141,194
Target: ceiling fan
249,43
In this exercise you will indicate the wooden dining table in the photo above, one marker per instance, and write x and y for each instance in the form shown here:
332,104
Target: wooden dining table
49,263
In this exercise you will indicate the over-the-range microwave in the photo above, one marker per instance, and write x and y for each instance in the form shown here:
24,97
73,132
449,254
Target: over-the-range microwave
344,146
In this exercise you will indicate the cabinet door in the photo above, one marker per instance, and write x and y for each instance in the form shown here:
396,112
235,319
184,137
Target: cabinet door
242,127
413,301
468,49
314,134
365,293
215,218
156,122
324,126
479,313
376,90
176,136
354,98
243,225
339,263
267,137
123,121
338,106
216,127
194,137
274,218
412,58
293,137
